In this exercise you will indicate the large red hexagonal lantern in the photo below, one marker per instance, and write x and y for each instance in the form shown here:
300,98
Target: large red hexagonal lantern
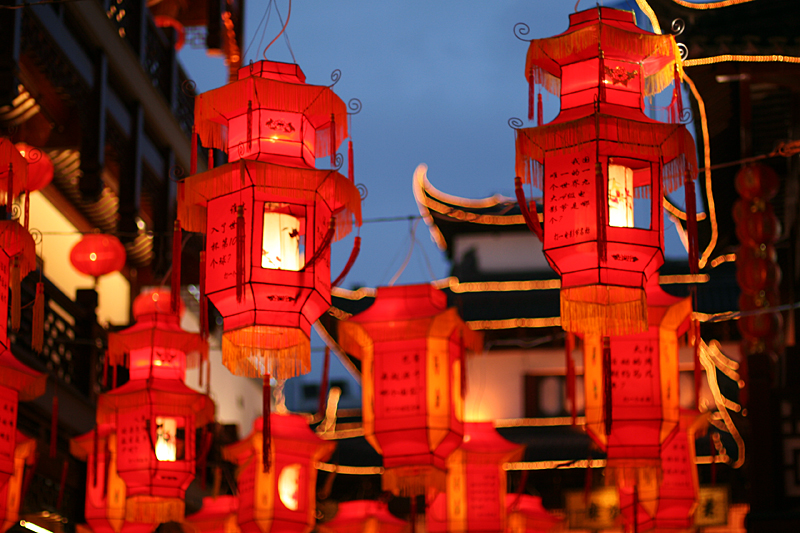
269,216
412,352
599,162
282,499
364,516
155,415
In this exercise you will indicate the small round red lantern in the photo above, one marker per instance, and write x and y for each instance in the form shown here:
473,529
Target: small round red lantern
98,254
40,167
412,352
282,499
364,516
598,159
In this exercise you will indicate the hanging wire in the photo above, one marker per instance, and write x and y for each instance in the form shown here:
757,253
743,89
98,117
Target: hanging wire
283,29
285,35
413,239
255,33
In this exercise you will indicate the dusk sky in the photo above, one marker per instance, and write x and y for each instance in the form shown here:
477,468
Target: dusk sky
438,82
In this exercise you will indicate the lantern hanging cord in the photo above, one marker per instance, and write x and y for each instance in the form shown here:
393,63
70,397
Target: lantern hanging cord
266,16
413,239
283,29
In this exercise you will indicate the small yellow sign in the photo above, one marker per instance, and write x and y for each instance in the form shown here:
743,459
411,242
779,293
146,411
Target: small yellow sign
601,511
712,507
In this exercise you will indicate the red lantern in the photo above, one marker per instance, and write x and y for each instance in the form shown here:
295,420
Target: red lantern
598,160
364,516
13,172
284,498
756,270
105,508
17,260
268,215
526,514
412,352
11,491
40,167
757,181
217,515
98,254
756,223
17,383
475,500
155,415
632,400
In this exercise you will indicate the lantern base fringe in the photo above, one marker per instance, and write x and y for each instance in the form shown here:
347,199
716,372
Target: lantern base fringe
154,510
603,310
254,351
411,481
644,474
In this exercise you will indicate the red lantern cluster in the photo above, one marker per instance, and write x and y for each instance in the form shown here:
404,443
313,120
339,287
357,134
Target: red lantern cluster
757,271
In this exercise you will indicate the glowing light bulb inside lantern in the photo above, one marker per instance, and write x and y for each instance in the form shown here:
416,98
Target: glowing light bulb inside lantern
280,245
289,487
620,196
166,439
92,256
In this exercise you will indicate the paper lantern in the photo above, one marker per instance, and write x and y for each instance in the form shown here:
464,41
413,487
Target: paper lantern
13,172
11,491
105,503
40,167
217,515
269,216
98,254
17,260
412,352
475,500
632,399
526,514
155,415
282,499
17,383
364,516
603,166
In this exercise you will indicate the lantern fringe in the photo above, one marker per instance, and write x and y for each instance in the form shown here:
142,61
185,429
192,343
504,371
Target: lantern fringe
603,310
254,351
542,53
28,383
213,109
659,141
37,322
17,242
297,183
154,510
411,481
644,474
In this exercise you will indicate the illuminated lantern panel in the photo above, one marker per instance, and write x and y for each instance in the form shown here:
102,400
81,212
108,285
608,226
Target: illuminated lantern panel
603,166
412,350
217,515
98,254
527,515
155,414
284,498
105,509
364,516
643,376
476,483
11,491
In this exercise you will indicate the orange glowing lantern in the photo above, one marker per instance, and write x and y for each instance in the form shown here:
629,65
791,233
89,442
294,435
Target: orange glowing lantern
526,514
364,516
283,498
217,515
155,414
603,166
475,500
269,216
11,491
98,254
40,167
105,508
412,352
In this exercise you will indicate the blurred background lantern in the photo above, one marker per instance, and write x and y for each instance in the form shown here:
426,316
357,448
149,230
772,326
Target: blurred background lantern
364,516
155,416
268,215
603,166
105,502
40,167
17,260
98,254
11,491
526,514
281,498
13,173
217,515
412,352
475,500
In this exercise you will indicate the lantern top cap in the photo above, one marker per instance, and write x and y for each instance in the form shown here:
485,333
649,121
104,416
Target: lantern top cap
155,301
482,437
273,70
404,302
604,15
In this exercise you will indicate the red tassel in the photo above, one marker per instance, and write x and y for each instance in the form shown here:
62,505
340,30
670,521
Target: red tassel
54,427
203,302
607,400
63,486
350,261
249,125
413,518
265,429
532,220
635,508
569,344
114,377
698,372
677,98
200,374
105,370
193,155
350,171
239,253
96,457
37,321
208,377
175,289
333,141
27,210
106,457
323,387
539,111
531,96
691,224
10,192
601,191
210,158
